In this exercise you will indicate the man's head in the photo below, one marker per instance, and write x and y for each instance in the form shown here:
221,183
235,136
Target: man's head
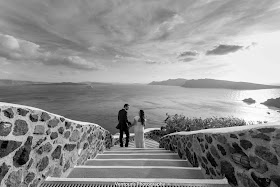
126,106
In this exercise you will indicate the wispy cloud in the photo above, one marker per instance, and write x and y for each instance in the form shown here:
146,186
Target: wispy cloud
188,53
74,62
163,30
252,45
151,62
188,59
224,49
5,72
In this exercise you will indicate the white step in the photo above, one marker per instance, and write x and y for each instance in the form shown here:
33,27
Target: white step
136,151
136,172
94,182
117,148
137,162
139,156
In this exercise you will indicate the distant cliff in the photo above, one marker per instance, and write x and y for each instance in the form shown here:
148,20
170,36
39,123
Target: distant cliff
272,102
212,83
7,82
170,82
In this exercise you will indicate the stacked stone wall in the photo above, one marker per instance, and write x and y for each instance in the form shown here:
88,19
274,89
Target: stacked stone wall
35,144
246,156
154,134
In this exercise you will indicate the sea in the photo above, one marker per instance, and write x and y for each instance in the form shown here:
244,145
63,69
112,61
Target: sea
100,103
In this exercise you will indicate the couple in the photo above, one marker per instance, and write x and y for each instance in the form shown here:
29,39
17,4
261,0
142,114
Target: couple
139,123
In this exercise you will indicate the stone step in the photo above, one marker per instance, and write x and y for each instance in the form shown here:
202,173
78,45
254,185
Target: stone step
136,151
139,156
132,182
117,148
138,162
136,172
147,146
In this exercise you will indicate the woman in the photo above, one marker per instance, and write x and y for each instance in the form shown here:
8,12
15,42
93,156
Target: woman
139,124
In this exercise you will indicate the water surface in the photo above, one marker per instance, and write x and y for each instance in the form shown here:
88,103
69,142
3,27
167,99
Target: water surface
101,103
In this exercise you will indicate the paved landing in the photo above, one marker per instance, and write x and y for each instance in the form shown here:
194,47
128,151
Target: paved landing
148,144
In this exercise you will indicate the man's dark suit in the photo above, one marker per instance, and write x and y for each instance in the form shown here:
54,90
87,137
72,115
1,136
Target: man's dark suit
123,124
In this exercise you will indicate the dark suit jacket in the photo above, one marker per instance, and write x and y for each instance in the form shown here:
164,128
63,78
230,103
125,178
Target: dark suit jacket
123,121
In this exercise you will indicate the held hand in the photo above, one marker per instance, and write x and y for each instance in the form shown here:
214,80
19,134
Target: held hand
129,125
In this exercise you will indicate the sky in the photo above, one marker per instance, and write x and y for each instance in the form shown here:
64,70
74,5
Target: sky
140,41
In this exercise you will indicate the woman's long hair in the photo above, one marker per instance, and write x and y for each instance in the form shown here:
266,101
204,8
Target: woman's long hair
142,117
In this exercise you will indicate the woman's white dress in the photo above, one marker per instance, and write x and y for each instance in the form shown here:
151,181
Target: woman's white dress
138,133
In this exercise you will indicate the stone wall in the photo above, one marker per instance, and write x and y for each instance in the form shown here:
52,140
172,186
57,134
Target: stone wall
246,156
154,134
35,144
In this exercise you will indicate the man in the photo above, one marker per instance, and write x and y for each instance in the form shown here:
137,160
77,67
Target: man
124,124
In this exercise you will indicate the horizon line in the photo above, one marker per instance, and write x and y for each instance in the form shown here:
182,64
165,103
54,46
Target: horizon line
273,84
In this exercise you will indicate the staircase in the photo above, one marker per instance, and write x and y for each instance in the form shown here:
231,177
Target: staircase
129,166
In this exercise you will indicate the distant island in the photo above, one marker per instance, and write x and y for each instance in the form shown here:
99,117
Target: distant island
212,83
8,82
170,82
272,102
249,101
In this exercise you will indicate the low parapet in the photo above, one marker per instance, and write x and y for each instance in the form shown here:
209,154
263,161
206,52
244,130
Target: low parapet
36,144
246,156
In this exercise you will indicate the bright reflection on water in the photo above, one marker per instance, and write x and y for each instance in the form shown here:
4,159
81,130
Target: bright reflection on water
101,103
216,102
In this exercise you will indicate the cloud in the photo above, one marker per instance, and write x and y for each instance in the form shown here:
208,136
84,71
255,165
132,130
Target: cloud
151,62
188,53
119,57
74,62
164,29
8,42
188,56
252,45
3,61
224,49
14,49
5,72
189,59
